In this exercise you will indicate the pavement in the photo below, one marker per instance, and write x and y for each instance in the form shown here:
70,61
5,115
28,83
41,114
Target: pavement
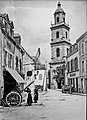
74,93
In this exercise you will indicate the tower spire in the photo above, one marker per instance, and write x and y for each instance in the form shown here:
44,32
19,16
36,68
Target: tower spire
59,5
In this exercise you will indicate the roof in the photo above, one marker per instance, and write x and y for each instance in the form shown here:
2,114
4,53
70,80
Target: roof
27,54
82,36
59,9
6,17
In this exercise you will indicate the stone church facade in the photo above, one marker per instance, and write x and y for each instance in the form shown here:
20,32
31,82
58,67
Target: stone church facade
60,42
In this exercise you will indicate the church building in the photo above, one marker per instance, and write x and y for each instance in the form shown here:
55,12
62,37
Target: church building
60,42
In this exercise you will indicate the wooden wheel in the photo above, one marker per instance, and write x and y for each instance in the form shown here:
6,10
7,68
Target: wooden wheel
13,99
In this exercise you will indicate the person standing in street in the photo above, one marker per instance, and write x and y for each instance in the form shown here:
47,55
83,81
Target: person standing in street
35,95
29,98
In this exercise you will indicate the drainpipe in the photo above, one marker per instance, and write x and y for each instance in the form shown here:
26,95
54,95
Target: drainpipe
86,91
0,60
1,65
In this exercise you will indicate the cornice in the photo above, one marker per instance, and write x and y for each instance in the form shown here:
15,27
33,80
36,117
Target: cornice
59,26
60,42
54,63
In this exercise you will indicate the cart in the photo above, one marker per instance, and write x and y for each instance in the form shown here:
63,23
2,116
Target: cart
14,98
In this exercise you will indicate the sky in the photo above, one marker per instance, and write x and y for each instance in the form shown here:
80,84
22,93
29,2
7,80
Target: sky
32,20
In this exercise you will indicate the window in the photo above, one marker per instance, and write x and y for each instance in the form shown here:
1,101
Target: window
82,83
13,62
5,58
86,66
57,34
57,52
68,67
82,66
64,20
71,65
67,51
76,63
82,48
86,46
20,65
9,60
57,19
40,76
66,34
16,63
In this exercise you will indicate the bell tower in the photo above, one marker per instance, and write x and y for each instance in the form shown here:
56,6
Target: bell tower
59,15
60,39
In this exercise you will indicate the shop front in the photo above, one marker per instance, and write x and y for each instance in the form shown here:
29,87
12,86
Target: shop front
12,81
73,79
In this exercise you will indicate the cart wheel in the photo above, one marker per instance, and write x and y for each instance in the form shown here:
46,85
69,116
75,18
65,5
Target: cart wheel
13,99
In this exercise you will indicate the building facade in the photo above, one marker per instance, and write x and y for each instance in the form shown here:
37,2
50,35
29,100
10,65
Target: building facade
82,47
11,57
73,67
77,64
28,65
60,42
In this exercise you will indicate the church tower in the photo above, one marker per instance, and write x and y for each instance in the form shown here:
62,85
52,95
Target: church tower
60,40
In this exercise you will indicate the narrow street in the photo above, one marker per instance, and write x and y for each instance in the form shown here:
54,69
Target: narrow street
52,105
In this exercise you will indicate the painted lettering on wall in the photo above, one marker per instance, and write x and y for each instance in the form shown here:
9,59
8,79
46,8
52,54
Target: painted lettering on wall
73,74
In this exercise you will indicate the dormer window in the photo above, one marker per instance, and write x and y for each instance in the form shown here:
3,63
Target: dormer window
57,34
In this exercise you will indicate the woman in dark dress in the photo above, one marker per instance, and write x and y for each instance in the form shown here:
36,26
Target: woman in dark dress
29,98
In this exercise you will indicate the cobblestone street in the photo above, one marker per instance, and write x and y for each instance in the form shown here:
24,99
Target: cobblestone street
52,105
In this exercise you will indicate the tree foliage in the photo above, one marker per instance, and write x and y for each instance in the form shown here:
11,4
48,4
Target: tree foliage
60,70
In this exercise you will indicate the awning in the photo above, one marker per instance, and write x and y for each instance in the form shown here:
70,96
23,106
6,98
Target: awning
15,75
